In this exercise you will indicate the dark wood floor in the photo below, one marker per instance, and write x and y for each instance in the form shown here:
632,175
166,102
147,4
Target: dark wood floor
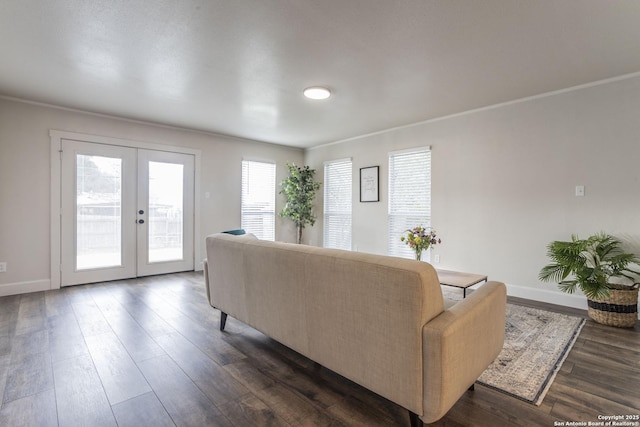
148,352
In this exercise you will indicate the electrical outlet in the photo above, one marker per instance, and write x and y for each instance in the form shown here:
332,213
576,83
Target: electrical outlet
3,267
436,259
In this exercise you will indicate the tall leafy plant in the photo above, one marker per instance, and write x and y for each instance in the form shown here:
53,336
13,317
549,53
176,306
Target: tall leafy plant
588,264
300,190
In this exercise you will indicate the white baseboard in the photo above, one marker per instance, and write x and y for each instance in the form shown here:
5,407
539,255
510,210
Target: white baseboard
545,295
24,287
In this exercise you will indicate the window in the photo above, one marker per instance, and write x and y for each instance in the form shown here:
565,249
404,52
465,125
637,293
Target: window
337,204
409,196
258,209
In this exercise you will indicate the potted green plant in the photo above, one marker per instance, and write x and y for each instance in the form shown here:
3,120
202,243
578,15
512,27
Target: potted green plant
591,264
300,191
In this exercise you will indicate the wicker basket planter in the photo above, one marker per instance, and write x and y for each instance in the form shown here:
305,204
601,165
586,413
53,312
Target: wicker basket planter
619,309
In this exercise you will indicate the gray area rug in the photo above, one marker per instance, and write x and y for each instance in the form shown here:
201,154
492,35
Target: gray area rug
536,344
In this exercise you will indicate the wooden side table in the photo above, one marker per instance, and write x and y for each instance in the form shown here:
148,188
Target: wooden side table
459,280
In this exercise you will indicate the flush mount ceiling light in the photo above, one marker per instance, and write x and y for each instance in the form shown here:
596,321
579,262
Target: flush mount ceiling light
317,92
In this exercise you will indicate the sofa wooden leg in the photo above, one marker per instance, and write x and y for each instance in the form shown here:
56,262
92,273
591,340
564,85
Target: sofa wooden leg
223,320
415,420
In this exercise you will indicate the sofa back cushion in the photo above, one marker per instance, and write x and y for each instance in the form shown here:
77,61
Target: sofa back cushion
360,315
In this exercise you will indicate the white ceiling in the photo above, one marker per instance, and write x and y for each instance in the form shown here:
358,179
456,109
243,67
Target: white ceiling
238,67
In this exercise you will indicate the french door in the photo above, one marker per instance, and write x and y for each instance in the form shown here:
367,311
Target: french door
126,212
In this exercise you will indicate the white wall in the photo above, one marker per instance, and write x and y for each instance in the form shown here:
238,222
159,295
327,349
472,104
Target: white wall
25,181
504,181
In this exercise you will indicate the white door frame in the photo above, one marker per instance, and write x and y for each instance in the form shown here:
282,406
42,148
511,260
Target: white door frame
56,137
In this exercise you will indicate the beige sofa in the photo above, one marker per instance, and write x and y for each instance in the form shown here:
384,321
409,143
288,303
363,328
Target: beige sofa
379,321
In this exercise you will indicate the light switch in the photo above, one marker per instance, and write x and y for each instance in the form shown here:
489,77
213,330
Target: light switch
579,190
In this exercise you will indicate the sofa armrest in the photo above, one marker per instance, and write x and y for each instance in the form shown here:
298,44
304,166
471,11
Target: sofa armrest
459,345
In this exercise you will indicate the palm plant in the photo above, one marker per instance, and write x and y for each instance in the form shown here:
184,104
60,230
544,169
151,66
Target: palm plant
591,263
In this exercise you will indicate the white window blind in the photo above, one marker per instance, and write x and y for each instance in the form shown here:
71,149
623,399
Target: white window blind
409,197
258,209
338,201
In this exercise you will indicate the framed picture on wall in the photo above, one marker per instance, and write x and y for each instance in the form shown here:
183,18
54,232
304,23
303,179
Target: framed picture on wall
369,189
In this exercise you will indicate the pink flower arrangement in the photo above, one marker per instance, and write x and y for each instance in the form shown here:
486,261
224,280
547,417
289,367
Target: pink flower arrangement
420,238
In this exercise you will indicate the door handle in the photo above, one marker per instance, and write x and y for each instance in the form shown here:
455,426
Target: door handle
141,212
141,221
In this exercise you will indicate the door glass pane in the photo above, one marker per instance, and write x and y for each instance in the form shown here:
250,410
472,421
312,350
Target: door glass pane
165,212
98,212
